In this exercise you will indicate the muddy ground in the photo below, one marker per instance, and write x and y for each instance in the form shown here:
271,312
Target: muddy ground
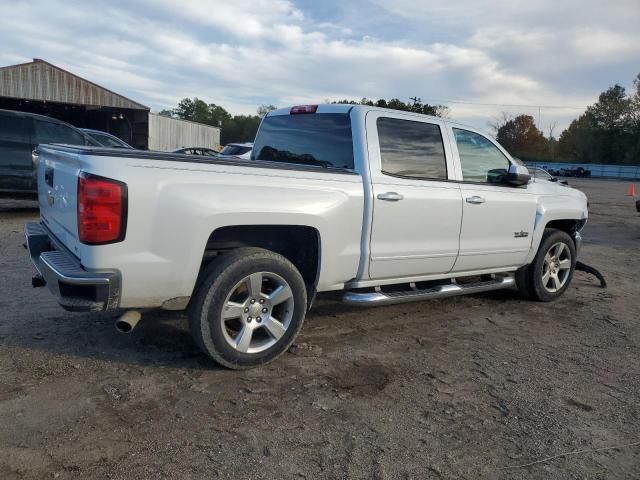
459,388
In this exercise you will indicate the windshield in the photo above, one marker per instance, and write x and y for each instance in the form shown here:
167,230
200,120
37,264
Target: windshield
235,150
318,139
108,141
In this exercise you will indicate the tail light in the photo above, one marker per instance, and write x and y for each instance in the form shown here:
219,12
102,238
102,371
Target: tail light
102,210
303,109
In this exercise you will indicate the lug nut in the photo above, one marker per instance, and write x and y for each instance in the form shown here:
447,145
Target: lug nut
262,300
264,310
249,319
258,319
253,300
246,310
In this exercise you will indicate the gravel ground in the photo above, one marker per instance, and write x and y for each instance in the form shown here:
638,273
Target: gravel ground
469,387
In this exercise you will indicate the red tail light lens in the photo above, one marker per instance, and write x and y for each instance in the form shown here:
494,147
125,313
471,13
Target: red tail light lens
303,109
102,209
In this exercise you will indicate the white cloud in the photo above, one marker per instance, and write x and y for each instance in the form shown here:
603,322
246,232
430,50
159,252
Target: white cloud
243,53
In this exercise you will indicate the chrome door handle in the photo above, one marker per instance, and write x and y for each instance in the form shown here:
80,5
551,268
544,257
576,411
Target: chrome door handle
475,200
390,196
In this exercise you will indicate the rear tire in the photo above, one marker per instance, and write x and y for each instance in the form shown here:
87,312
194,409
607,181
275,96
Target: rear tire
248,307
551,271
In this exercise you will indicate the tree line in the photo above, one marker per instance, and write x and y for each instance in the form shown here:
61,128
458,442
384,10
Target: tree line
234,128
607,132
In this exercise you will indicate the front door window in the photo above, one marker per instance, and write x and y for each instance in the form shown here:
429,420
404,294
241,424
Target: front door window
481,160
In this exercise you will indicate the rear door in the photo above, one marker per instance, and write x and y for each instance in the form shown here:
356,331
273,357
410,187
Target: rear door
16,164
497,219
417,210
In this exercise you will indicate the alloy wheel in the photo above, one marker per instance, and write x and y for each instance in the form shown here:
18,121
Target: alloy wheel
257,312
556,267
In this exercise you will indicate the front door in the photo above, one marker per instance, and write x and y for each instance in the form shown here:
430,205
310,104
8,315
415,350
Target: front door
497,220
416,211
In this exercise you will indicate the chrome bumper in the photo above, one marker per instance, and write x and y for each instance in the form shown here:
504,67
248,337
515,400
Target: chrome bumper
75,288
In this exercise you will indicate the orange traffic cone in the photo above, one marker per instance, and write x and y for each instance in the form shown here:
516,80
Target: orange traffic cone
632,190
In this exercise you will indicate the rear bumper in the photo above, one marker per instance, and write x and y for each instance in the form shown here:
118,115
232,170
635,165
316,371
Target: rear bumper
75,288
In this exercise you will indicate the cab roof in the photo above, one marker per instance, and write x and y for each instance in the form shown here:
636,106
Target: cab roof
363,109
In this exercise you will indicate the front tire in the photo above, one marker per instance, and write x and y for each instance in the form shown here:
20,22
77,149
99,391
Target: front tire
551,271
248,307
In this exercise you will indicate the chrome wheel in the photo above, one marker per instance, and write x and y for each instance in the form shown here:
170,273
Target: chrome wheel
257,312
556,267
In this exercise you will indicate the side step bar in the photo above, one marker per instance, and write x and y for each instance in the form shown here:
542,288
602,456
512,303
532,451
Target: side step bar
371,299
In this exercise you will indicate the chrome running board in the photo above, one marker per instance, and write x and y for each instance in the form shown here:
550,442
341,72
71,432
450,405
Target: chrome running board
370,299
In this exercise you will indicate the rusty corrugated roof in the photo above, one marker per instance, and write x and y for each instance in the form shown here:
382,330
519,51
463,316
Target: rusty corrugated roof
40,80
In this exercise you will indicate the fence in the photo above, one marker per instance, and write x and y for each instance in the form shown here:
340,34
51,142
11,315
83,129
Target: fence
170,133
630,172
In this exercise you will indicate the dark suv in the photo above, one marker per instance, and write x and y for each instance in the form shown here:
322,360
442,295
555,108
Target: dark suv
20,134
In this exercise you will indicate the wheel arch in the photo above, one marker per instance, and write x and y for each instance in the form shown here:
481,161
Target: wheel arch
571,226
300,244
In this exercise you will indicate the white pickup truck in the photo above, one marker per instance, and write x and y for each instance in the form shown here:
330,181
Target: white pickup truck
384,205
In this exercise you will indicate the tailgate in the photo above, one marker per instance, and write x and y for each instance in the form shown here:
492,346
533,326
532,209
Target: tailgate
57,193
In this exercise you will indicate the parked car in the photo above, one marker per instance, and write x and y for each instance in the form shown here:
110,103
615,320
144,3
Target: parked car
567,172
575,172
555,172
20,134
207,152
386,206
242,150
105,139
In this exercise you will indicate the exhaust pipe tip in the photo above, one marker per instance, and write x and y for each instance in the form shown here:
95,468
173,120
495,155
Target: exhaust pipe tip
127,322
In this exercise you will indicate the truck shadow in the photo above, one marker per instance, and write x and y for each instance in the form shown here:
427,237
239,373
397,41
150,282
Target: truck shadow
162,338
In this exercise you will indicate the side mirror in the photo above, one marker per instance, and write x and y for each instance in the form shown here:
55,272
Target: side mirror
497,175
517,175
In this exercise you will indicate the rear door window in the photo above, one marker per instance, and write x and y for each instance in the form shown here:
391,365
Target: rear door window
316,139
411,149
51,132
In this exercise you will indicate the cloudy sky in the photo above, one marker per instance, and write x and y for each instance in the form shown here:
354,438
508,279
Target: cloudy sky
467,54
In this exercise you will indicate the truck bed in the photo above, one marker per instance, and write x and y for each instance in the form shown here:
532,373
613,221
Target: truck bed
175,202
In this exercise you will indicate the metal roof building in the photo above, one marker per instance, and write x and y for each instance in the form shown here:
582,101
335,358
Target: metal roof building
41,87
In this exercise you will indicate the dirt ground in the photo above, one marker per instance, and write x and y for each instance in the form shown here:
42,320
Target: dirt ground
469,387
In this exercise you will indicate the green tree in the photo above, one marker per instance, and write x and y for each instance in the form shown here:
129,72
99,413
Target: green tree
166,113
611,109
238,128
396,104
609,130
264,109
581,142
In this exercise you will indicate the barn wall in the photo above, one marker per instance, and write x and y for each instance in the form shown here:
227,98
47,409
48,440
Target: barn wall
167,134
